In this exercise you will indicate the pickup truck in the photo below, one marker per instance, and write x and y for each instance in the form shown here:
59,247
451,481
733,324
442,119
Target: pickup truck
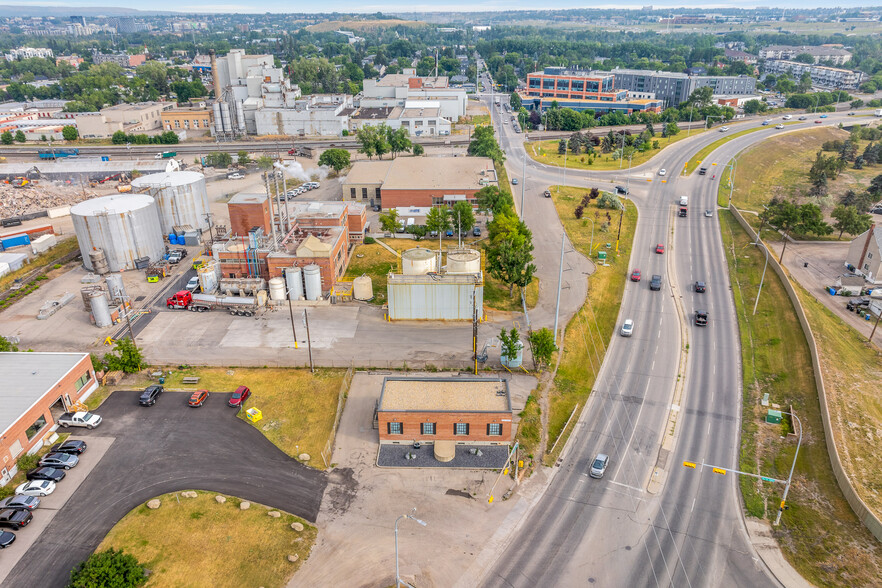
79,419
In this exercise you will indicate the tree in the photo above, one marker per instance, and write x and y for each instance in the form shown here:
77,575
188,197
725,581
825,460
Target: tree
437,220
542,347
701,97
389,221
336,159
561,146
849,220
367,138
125,357
242,158
399,140
20,137
109,568
418,231
69,133
849,150
510,343
6,345
484,144
804,58
418,149
806,219
490,199
6,138
119,138
265,163
856,103
515,101
462,216
671,129
805,82
754,106
875,187
510,263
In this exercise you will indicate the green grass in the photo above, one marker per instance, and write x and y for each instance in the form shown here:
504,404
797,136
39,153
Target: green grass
496,295
200,542
702,153
44,260
820,535
546,152
530,426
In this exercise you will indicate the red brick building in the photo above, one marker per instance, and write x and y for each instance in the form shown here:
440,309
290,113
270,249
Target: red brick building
37,388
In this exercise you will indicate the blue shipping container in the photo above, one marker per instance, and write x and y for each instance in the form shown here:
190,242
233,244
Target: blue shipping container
15,241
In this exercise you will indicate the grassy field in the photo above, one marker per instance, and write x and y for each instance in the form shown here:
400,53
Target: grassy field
362,25
199,542
47,260
546,152
819,535
693,163
298,406
496,295
589,332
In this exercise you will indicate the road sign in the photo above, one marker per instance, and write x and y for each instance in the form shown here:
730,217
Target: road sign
720,471
689,464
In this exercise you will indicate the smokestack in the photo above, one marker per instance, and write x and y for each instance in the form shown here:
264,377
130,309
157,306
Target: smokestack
215,76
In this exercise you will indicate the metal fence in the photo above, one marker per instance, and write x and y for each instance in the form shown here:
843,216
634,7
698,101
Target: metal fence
328,451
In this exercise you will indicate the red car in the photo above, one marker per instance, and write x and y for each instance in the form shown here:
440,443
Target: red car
635,275
198,398
659,248
240,396
817,122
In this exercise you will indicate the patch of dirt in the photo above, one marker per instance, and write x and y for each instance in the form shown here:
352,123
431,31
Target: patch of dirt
341,491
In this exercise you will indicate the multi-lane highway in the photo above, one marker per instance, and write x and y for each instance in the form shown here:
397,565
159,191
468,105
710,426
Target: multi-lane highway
649,521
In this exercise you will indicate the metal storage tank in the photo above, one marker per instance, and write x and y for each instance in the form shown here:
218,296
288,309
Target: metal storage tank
294,280
87,292
100,309
312,275
125,226
516,361
115,287
98,261
417,261
464,261
362,288
207,275
180,197
277,288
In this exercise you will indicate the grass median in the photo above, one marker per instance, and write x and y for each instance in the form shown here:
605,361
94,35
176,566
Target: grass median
705,151
201,542
820,535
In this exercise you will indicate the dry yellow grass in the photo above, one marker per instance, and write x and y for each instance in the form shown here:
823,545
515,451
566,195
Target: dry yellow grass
198,542
361,25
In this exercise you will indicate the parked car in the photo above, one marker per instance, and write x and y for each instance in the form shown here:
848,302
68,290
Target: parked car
662,172
44,473
174,257
599,465
239,396
198,398
857,304
235,176
635,275
193,284
627,328
476,231
149,395
656,282
36,488
290,194
700,286
20,502
64,461
73,446
514,181
6,539
79,419
15,519
660,248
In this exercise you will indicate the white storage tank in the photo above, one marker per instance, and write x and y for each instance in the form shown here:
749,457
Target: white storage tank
115,287
180,198
277,288
100,309
418,261
362,288
294,280
464,261
125,226
312,275
207,275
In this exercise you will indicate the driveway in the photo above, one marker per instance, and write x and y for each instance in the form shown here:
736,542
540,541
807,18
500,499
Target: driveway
165,448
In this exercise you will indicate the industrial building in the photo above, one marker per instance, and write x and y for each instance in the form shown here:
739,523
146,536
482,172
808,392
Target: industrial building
180,196
325,115
581,90
39,386
397,89
421,118
417,181
822,76
130,118
445,412
195,120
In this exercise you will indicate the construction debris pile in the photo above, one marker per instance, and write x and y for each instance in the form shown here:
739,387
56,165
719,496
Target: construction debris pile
43,195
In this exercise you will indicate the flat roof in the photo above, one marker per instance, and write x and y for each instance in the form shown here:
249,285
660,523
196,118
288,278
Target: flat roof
27,377
368,172
423,173
246,198
138,106
445,395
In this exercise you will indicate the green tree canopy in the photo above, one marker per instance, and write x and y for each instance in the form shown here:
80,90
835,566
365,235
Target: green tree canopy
337,159
108,569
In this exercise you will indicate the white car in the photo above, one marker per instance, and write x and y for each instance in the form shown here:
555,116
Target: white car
628,328
236,176
193,284
662,172
36,488
316,185
290,194
779,126
724,129
787,117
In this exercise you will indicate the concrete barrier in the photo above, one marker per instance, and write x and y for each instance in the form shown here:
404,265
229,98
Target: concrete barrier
863,512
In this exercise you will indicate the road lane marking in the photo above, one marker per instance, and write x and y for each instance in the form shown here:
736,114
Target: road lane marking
626,486
693,504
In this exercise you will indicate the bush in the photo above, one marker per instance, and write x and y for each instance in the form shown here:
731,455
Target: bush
27,462
369,240
608,200
108,568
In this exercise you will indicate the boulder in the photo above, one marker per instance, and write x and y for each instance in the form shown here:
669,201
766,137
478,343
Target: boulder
293,557
220,499
297,526
154,504
189,494
244,505
274,513
303,457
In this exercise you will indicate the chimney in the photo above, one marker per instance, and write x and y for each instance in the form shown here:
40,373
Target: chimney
215,76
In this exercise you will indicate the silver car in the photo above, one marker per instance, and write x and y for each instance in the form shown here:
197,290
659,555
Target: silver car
59,460
628,328
598,467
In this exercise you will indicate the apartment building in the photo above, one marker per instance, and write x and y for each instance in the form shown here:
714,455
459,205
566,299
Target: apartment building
672,88
836,55
822,76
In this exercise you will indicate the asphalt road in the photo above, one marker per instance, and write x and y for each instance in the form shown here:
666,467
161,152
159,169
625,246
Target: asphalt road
165,448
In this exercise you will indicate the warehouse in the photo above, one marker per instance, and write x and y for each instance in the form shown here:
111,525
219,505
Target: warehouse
38,388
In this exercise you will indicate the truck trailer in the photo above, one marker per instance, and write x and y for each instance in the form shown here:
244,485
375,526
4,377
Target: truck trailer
236,305
57,153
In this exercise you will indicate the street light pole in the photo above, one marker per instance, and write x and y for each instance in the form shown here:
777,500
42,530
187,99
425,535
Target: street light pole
524,184
563,238
760,291
792,467
732,167
410,516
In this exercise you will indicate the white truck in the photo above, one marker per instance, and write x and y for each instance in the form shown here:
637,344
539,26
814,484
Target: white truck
684,200
79,419
878,112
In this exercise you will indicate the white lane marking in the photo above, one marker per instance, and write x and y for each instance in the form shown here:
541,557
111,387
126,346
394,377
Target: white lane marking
708,428
626,486
652,369
693,504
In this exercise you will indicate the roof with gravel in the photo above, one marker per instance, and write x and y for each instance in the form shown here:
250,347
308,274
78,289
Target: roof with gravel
445,395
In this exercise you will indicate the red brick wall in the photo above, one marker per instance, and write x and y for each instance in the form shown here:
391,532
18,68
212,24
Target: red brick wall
444,422
396,198
356,222
245,216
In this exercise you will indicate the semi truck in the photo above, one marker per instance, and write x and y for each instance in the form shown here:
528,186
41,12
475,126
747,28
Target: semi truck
684,201
166,155
57,153
236,305
79,419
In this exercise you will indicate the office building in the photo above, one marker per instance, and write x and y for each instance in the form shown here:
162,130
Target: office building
672,88
581,90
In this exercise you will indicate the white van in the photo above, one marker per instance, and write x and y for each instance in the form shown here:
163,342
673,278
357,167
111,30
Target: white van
684,201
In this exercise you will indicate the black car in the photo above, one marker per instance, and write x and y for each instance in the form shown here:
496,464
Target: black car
15,519
700,287
476,231
701,318
71,446
43,473
149,395
702,171
655,282
6,539
20,502
621,190
64,461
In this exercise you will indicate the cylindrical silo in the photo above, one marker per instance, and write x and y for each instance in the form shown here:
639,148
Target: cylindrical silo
294,281
98,261
115,287
125,226
277,288
207,274
418,261
464,261
312,275
180,197
100,310
362,288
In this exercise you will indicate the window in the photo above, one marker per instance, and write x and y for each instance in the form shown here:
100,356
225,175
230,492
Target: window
352,193
869,256
578,85
866,267
177,124
563,84
396,428
547,84
35,428
377,193
84,379
494,429
364,193
461,429
427,428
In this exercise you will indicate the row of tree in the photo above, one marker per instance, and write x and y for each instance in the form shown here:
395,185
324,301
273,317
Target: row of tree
381,139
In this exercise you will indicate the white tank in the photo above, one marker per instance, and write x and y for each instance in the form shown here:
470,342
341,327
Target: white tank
218,120
225,117
240,116
180,197
98,261
277,288
418,261
125,226
115,287
362,288
294,280
312,275
208,276
100,309
464,261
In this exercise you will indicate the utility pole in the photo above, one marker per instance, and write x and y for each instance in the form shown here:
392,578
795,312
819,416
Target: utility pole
524,184
291,312
129,320
308,340
475,328
873,332
563,239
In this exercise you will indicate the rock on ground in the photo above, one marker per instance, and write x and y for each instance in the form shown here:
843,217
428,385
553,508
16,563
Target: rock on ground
220,499
293,557
244,505
274,513
154,504
297,526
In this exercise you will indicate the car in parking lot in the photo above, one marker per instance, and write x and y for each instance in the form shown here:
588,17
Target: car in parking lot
193,284
149,395
36,488
174,257
74,446
15,519
700,286
239,396
45,473
627,328
198,398
660,248
290,194
599,465
20,502
635,275
64,461
662,172
6,539
656,282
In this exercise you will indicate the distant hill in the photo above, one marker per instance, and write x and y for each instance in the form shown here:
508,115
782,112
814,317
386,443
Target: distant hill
360,25
10,10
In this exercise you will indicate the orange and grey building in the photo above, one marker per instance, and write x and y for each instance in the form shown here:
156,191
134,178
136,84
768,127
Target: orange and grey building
581,90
